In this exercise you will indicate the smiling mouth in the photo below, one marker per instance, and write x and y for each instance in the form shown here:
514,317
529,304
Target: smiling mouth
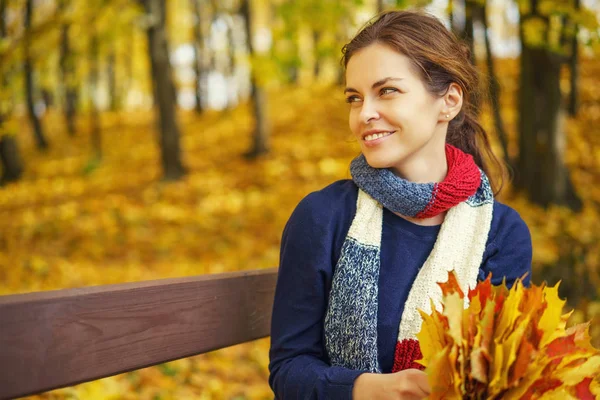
375,136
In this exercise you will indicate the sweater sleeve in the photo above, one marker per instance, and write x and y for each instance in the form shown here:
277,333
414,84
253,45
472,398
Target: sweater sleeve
508,254
299,367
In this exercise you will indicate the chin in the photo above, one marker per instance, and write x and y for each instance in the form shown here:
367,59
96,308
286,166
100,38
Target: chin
379,162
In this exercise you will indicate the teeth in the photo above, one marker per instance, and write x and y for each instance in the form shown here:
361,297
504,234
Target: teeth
374,136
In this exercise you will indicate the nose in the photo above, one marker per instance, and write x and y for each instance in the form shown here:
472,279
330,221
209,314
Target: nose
368,111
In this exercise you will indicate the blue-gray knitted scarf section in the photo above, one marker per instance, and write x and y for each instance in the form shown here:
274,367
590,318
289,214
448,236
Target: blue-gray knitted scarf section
353,308
394,193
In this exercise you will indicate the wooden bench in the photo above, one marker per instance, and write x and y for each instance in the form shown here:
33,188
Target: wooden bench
61,338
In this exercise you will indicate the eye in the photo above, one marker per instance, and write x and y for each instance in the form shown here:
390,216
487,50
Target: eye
387,90
352,99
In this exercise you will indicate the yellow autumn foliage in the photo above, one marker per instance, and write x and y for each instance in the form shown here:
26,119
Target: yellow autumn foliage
71,222
506,343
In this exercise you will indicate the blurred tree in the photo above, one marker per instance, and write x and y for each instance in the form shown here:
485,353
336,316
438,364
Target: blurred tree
319,56
10,159
328,33
199,49
38,132
286,51
163,88
494,86
450,12
111,76
262,129
231,55
68,79
573,106
472,11
93,48
541,169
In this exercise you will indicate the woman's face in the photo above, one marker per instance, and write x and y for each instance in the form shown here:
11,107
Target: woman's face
397,122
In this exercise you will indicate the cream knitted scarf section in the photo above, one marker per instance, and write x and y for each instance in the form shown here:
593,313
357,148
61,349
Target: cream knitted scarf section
351,317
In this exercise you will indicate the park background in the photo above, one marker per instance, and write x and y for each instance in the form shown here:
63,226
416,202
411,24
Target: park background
151,139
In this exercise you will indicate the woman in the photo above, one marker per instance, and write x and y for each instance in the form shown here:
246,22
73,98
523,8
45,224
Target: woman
361,256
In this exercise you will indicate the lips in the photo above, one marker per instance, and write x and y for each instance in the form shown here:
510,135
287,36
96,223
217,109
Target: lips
375,137
368,137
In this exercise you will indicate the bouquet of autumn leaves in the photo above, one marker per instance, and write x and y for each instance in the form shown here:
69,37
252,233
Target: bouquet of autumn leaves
507,344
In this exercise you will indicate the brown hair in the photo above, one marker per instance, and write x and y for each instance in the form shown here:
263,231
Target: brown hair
440,59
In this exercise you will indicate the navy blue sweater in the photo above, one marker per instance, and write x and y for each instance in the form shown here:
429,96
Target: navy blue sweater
311,244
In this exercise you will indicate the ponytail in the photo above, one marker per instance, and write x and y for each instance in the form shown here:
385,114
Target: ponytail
466,133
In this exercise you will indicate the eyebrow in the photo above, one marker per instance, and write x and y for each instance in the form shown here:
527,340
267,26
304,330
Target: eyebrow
376,84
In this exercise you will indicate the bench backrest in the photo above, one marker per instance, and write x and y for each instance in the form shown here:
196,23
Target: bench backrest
60,338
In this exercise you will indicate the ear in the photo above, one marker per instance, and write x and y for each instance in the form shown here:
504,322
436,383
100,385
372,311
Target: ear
452,102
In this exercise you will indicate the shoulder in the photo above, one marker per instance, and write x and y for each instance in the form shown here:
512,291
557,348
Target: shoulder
507,224
338,197
327,209
508,252
508,229
321,220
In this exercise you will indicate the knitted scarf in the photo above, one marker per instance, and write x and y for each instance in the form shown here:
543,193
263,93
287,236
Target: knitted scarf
351,317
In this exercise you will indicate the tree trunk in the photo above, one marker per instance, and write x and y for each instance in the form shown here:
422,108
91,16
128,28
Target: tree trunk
541,169
260,143
494,88
380,6
198,59
38,132
293,70
10,159
231,48
3,18
128,72
164,92
232,62
115,101
574,69
96,135
467,34
318,60
67,72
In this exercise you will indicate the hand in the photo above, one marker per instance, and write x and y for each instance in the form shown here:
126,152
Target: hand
410,384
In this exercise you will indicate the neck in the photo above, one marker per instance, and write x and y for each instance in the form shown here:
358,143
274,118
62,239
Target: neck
424,168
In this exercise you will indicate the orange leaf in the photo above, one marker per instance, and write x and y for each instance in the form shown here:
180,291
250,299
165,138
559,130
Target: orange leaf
541,386
521,363
451,286
483,290
583,390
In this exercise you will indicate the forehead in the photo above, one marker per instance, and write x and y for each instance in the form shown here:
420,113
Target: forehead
375,62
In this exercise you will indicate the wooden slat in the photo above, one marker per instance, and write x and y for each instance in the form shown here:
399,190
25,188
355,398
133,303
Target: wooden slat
60,338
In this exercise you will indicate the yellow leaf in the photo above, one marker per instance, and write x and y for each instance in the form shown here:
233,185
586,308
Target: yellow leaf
572,376
509,348
558,394
479,365
480,354
453,310
440,377
509,313
432,335
551,317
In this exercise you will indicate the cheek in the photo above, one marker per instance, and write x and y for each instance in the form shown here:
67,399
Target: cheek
353,120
